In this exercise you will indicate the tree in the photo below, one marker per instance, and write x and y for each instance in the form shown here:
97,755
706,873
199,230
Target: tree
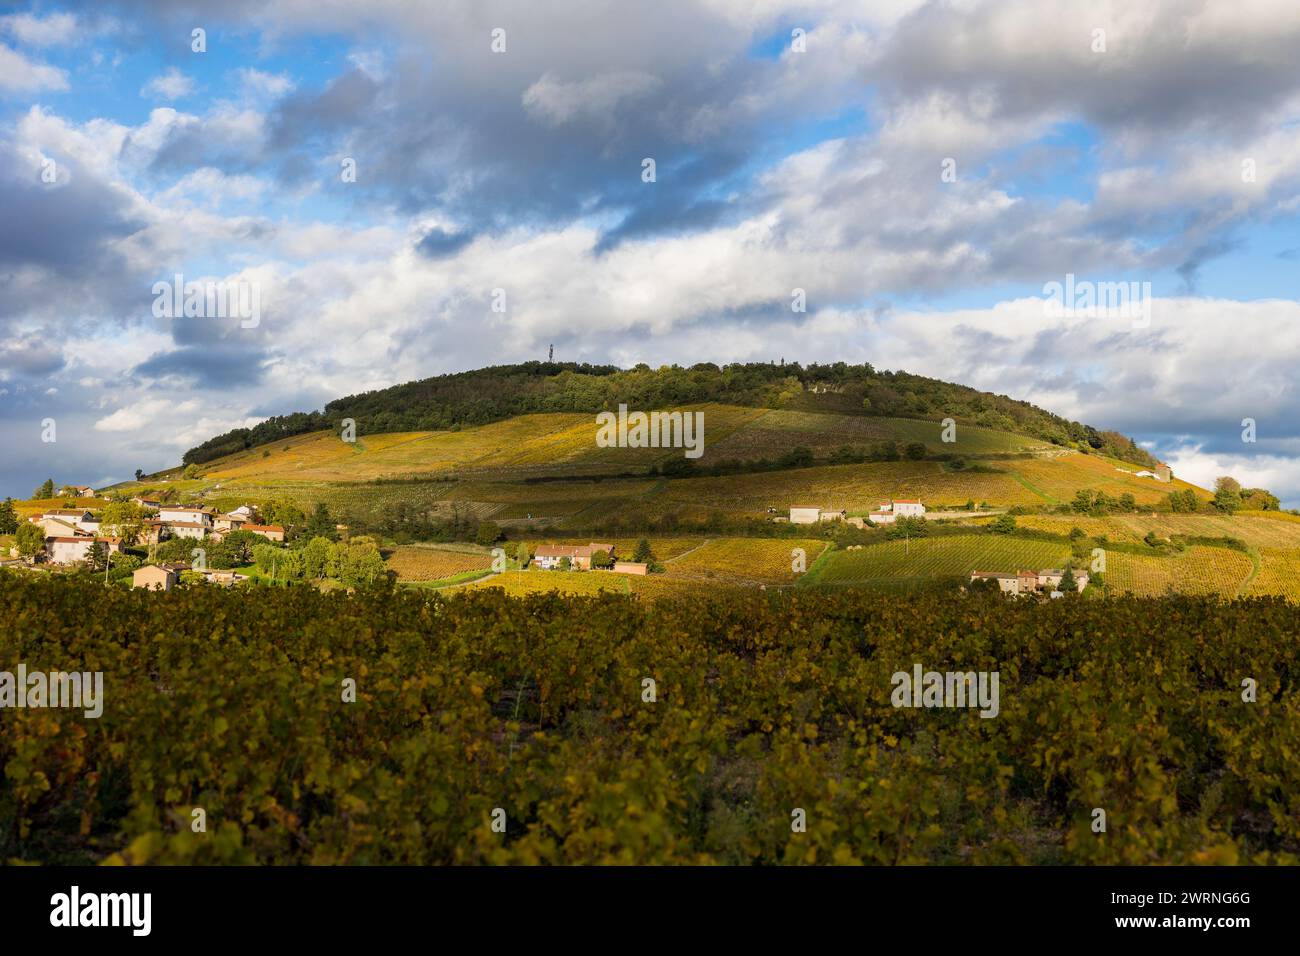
643,554
1083,501
487,533
1259,499
97,556
191,471
359,564
600,559
1227,494
44,490
915,451
1003,524
30,539
1076,533
316,557
1127,501
1068,583
124,519
321,525
239,545
139,473
8,517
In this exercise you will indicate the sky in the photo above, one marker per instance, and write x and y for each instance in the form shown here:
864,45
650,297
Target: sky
407,188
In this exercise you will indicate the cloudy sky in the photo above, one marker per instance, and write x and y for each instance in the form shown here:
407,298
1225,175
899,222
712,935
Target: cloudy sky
922,169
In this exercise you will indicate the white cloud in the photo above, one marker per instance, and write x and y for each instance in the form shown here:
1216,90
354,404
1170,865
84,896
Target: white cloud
21,75
171,85
56,29
262,84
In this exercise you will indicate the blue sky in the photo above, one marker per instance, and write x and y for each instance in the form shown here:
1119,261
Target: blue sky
1167,153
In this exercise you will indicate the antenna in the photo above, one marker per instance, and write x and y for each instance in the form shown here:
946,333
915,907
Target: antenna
551,357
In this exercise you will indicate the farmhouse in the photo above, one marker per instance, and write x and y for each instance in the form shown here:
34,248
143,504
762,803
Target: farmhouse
154,577
85,492
548,557
185,513
152,503
1030,582
80,518
891,511
804,515
271,532
59,527
186,529
230,522
75,550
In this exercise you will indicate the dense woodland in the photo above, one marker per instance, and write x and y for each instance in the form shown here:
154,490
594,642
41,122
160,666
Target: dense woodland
491,394
763,705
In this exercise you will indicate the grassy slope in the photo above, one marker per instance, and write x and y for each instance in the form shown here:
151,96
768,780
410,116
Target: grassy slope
491,462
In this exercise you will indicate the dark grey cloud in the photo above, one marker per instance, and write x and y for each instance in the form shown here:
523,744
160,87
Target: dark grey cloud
207,366
66,227
440,244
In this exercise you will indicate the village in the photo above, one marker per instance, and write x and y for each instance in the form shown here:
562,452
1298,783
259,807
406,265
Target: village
72,535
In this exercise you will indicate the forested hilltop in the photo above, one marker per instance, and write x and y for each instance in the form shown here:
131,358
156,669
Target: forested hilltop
492,394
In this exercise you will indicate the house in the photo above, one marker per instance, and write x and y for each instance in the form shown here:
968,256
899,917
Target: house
883,514
75,550
631,567
151,503
804,515
1008,583
548,557
1030,582
229,522
245,512
154,577
832,515
185,513
186,529
1164,473
85,492
59,527
890,511
80,518
271,532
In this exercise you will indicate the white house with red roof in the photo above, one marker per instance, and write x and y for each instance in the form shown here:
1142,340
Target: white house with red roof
891,511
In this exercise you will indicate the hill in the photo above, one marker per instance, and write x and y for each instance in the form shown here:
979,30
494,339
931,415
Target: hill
821,440
498,393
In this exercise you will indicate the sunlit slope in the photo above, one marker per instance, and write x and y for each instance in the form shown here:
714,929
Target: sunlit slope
566,444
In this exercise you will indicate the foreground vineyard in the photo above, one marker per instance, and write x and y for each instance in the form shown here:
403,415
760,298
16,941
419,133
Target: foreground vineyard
764,705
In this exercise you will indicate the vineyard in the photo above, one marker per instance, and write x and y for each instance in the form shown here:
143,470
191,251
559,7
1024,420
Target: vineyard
1200,571
1279,573
537,713
745,560
429,563
944,557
